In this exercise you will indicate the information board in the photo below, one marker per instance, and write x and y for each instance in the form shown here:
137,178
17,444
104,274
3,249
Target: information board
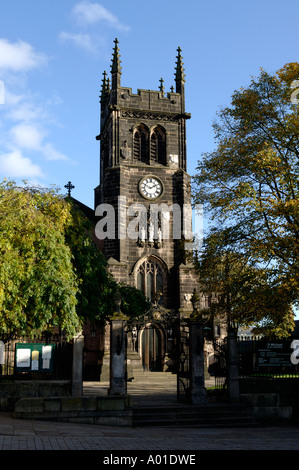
34,357
274,354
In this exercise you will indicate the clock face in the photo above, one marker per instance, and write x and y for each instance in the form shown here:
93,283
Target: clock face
150,187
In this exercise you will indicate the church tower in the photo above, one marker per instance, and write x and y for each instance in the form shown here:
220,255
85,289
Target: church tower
143,177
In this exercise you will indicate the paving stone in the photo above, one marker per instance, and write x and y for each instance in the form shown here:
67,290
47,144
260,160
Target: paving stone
19,434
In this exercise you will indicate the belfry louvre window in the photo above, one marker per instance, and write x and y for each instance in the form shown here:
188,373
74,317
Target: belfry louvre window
141,144
158,146
150,279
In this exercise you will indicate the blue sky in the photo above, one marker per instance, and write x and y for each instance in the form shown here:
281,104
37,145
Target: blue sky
53,54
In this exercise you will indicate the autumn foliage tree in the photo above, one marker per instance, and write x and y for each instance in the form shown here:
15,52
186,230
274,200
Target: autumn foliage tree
241,293
249,185
52,275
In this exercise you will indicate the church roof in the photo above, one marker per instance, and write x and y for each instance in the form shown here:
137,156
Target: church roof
87,211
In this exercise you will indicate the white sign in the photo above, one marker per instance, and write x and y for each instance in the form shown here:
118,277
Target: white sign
23,357
46,363
34,365
47,352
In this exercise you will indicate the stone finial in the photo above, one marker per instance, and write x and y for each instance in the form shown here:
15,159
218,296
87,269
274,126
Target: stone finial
105,85
179,72
161,87
115,66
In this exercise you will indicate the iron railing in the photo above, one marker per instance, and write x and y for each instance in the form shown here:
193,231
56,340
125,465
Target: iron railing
266,358
62,359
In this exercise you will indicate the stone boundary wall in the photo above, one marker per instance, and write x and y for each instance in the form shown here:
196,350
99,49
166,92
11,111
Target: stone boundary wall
114,410
271,407
11,392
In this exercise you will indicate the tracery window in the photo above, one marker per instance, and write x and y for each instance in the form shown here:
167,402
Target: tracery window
149,149
141,144
158,146
151,279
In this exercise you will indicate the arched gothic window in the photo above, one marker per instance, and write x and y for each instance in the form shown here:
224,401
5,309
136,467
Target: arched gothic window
151,279
158,146
141,144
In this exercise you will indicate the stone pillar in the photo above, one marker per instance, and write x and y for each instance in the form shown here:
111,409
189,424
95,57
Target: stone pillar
105,369
233,367
2,353
77,382
197,367
118,363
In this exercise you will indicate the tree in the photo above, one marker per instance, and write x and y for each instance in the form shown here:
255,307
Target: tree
38,285
52,274
249,185
240,293
95,285
97,288
134,304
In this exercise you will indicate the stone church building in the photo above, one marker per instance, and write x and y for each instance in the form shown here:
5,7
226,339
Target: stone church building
143,202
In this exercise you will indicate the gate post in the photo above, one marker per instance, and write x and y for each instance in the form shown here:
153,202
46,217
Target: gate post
2,353
233,367
77,383
118,360
118,363
198,391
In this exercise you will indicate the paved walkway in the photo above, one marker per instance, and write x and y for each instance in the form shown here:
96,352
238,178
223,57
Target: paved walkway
16,434
19,434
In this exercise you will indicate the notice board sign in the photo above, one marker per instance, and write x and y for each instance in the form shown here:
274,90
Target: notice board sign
275,354
30,357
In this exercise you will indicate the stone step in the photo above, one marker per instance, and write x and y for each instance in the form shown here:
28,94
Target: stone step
199,416
145,376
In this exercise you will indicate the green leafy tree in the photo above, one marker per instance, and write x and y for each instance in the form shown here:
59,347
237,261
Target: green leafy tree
52,274
134,304
38,286
95,285
249,185
97,288
241,293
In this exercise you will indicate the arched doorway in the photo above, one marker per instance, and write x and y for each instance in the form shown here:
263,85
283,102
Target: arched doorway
152,357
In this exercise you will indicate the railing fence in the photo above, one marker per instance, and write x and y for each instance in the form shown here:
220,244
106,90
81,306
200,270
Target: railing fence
60,356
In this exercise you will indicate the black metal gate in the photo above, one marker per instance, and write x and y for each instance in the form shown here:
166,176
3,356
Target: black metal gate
183,373
218,367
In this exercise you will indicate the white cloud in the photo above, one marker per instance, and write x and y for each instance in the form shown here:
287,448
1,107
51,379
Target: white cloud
30,107
83,41
27,118
19,56
27,136
87,13
15,165
51,153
